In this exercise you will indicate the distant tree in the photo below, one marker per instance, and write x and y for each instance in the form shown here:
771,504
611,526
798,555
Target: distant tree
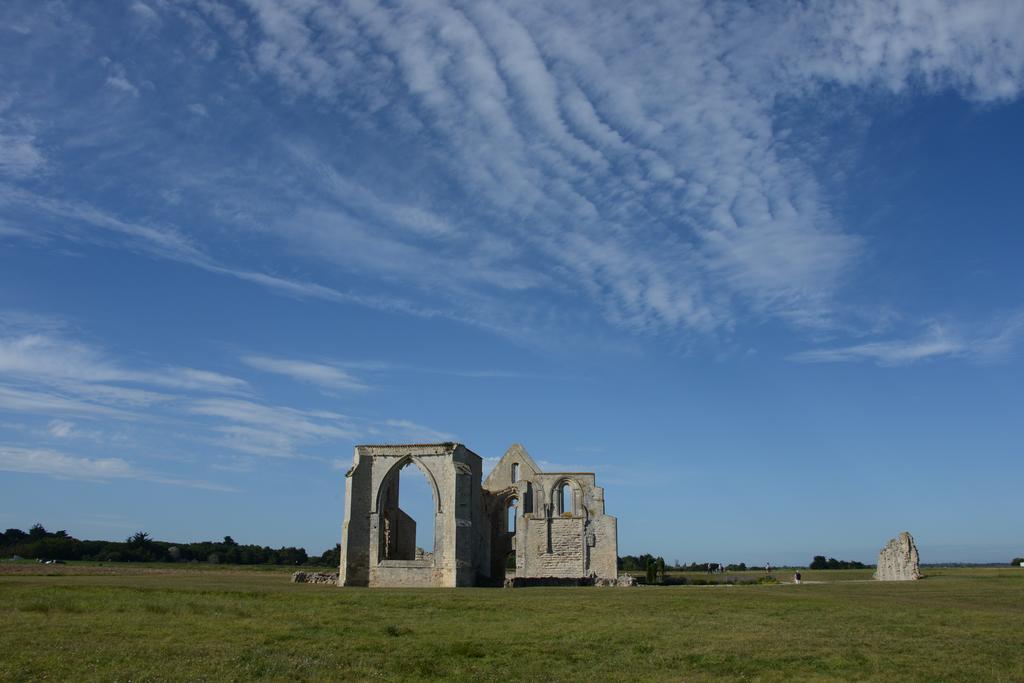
37,531
332,557
659,567
140,539
651,570
12,536
1017,561
229,541
820,562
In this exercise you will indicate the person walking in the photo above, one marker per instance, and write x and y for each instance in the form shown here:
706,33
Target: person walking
796,577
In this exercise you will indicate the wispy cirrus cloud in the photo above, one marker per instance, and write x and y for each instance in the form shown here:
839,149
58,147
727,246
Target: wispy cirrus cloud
274,431
63,466
49,403
47,373
311,423
170,243
324,375
280,431
666,141
53,359
518,167
410,431
337,374
938,341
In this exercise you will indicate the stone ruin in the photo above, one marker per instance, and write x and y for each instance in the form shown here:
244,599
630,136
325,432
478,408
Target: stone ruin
899,560
314,577
547,525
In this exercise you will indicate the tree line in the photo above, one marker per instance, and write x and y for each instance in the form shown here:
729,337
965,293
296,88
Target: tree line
39,544
819,562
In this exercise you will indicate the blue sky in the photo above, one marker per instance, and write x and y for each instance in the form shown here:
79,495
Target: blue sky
756,266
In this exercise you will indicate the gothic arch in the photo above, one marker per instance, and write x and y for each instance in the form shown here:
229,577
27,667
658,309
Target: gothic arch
576,492
393,472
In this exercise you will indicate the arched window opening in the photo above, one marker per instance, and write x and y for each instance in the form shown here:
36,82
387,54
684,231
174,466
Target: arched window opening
565,500
512,512
515,472
407,516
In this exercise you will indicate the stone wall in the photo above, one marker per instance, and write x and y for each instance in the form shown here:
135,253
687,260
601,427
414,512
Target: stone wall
406,574
405,542
558,553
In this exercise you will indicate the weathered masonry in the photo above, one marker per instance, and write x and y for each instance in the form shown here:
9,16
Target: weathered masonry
518,520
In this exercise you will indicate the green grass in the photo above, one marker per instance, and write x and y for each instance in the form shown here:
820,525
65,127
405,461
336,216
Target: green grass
239,624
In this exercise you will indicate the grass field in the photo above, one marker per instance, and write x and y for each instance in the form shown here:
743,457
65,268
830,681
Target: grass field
74,622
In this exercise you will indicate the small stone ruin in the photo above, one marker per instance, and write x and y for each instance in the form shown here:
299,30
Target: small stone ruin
314,577
899,560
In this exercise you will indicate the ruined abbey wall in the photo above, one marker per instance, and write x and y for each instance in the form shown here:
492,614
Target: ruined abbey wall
378,538
519,521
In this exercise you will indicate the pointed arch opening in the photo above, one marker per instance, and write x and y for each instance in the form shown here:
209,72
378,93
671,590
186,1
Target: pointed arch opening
567,499
511,515
408,509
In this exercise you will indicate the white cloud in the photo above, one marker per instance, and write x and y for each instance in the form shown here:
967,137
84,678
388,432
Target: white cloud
7,230
41,402
634,154
895,352
146,14
118,78
19,156
123,84
536,118
63,466
300,423
974,47
938,341
416,433
280,431
174,245
320,374
61,429
53,359
272,431
526,156
254,441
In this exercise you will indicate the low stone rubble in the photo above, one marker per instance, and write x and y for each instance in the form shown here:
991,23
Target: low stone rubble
624,580
527,581
314,577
